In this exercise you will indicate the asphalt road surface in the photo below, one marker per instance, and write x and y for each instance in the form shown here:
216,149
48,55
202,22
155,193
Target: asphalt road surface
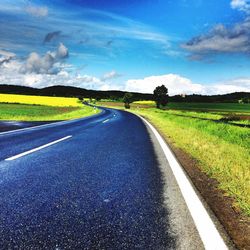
95,183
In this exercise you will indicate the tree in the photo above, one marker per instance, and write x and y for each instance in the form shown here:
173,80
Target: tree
161,96
127,99
245,100
80,98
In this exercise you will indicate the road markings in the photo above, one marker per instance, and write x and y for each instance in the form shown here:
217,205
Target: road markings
105,121
204,224
36,149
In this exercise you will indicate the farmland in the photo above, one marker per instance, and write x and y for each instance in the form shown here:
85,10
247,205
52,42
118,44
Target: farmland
42,108
226,107
222,149
40,100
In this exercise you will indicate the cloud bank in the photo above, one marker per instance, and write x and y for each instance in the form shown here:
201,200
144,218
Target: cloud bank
39,76
177,84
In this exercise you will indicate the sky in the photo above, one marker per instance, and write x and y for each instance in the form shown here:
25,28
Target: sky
190,46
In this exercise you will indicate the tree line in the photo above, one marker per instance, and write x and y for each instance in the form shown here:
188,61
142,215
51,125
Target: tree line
160,97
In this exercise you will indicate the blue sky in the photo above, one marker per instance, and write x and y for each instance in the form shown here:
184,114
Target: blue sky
191,46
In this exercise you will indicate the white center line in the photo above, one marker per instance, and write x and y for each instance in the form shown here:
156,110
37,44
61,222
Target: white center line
105,121
36,149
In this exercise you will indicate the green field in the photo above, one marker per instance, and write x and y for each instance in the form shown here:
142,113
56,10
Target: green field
227,107
222,149
221,107
42,108
25,112
232,113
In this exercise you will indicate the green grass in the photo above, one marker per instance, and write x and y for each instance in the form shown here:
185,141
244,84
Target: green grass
222,150
227,107
25,112
221,107
245,122
195,114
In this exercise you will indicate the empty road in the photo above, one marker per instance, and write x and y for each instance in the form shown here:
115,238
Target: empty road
95,183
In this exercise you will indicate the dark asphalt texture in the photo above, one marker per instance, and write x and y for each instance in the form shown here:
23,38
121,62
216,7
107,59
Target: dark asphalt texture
13,125
100,189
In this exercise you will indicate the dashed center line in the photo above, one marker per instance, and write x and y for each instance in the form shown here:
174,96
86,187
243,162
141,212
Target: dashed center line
105,121
36,149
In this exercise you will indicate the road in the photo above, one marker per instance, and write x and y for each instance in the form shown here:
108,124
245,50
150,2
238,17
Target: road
95,183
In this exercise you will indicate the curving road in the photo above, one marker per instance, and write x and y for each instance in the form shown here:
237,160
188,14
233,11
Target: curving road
93,183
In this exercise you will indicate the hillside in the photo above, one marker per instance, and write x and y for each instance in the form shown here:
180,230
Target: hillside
67,91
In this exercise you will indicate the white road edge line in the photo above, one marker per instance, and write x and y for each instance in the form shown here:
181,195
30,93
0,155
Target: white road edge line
36,149
105,121
209,234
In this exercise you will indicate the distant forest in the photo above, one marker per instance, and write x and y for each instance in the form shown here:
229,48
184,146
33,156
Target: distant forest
67,91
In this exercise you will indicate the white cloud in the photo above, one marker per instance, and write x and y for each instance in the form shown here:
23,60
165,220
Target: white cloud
11,73
37,11
242,5
230,86
37,64
63,73
6,54
62,52
110,75
221,40
175,84
180,85
31,80
47,64
48,70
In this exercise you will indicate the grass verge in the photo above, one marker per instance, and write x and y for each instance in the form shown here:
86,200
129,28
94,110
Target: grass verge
25,112
222,150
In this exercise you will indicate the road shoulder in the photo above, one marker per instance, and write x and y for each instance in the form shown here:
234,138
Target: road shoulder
236,225
182,222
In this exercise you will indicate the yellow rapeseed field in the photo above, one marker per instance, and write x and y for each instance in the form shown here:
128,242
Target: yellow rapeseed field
40,100
145,102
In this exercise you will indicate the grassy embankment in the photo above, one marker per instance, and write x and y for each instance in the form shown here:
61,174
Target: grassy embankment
42,108
222,150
